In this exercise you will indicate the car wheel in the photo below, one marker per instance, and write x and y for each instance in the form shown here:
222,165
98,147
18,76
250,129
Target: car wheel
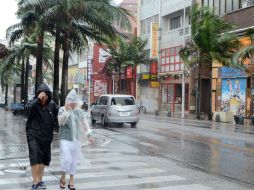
103,122
93,121
133,125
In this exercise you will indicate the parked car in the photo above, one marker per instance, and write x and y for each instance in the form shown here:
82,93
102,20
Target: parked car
113,108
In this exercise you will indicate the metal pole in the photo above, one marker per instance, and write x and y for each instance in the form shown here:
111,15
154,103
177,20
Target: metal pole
183,75
89,82
113,76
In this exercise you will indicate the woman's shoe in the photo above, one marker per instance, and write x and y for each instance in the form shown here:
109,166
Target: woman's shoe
62,184
71,187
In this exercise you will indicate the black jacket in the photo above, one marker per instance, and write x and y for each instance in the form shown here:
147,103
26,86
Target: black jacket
41,119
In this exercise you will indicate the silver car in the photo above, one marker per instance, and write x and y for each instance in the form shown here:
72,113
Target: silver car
113,108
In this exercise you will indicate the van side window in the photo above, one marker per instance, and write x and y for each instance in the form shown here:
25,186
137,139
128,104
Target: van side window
98,101
104,100
113,101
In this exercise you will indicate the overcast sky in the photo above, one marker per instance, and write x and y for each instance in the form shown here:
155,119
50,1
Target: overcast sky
8,9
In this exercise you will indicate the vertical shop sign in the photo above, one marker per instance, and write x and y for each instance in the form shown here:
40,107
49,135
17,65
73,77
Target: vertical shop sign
129,72
154,68
154,40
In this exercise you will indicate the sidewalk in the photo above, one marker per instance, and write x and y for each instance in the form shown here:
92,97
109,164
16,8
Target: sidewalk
190,120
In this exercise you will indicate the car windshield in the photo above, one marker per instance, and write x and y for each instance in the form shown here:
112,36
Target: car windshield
123,101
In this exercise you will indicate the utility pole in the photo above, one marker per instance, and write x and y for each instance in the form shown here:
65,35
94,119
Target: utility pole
183,75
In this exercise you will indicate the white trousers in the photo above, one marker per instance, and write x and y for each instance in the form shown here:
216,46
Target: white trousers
69,156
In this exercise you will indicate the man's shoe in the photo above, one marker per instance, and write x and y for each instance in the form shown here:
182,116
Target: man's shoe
42,185
35,187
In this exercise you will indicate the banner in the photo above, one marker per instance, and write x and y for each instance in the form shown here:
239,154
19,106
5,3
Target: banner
234,95
154,40
129,72
154,67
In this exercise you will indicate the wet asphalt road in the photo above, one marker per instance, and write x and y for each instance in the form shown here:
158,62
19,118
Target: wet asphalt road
221,150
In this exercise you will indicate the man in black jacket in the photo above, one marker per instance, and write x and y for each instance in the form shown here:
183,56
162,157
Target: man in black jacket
42,112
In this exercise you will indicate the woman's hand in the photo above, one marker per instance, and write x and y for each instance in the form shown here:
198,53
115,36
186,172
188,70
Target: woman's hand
91,140
67,107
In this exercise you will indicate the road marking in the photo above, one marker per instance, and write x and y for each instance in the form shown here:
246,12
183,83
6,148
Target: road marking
106,173
124,182
106,142
103,166
184,187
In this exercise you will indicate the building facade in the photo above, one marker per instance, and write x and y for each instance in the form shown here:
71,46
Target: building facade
173,31
101,82
232,89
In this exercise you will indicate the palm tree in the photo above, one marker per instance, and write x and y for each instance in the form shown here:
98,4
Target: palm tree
23,51
91,18
8,69
125,53
82,19
209,42
246,54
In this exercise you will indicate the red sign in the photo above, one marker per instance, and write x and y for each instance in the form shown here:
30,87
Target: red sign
129,72
154,68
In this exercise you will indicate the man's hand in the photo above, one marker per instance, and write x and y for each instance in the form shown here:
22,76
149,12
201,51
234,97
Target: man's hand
43,97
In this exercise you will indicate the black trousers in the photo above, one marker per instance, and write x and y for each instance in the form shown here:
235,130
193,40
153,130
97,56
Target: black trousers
39,151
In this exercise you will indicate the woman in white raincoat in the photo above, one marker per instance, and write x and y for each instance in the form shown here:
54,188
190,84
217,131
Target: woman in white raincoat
71,121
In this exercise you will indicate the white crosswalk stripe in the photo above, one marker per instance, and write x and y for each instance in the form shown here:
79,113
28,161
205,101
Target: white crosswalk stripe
105,171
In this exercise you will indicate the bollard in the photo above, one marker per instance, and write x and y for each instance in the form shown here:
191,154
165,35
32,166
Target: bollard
217,118
169,113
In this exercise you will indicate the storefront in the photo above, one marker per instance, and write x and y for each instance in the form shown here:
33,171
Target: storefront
148,88
171,94
171,81
233,92
233,89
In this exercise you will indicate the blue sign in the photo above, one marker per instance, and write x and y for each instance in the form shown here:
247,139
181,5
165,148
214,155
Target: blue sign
227,72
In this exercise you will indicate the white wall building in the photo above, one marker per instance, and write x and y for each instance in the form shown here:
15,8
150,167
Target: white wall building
170,16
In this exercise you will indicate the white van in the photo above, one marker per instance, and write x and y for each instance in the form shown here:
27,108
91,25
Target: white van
113,108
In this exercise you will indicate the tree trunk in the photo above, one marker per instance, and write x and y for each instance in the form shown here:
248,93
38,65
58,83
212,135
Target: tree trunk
39,60
26,79
6,95
198,91
22,79
64,84
15,94
210,95
120,80
56,68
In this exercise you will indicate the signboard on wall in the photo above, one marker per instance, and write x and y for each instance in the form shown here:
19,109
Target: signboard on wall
227,72
129,72
154,68
154,84
154,40
233,97
103,54
100,87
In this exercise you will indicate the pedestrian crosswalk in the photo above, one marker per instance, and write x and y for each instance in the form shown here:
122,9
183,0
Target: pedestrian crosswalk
103,170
